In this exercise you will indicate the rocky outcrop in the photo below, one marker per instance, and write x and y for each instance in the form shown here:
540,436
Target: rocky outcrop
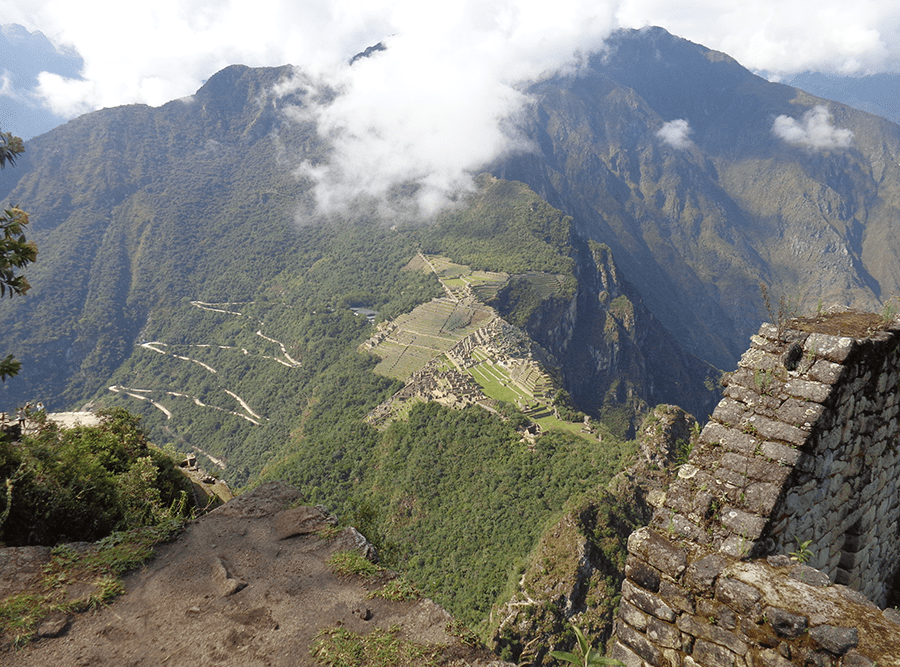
578,566
247,584
616,358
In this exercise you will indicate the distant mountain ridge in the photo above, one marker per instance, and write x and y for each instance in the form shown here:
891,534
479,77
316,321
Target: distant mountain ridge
697,227
694,228
23,56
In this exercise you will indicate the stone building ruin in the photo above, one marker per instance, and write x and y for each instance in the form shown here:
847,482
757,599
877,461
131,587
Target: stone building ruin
778,543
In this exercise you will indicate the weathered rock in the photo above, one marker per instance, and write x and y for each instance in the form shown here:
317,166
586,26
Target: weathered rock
785,623
54,625
225,583
835,640
301,521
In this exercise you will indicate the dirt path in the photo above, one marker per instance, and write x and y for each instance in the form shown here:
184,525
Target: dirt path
245,586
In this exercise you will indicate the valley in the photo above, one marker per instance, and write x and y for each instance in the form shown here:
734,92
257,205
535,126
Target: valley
463,387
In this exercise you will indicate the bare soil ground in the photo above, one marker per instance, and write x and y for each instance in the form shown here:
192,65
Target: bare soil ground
245,585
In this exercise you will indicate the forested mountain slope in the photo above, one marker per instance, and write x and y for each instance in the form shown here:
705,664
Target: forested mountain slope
760,182
183,273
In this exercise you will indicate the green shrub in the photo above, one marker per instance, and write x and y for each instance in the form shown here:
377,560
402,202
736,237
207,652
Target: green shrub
85,482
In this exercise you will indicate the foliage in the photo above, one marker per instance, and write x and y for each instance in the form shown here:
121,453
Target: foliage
586,655
85,482
803,553
425,475
10,148
397,590
339,647
16,251
504,227
599,523
353,563
788,308
101,565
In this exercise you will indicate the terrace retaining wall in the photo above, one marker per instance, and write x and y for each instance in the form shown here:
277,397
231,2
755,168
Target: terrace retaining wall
799,463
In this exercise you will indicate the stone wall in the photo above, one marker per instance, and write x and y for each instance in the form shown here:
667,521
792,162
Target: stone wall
798,463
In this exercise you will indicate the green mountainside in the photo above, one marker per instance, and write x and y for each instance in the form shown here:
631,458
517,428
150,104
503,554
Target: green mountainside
234,331
697,228
184,275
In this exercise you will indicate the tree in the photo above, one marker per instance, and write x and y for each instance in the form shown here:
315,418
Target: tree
15,250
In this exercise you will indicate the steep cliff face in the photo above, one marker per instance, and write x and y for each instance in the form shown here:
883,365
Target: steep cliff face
576,571
618,359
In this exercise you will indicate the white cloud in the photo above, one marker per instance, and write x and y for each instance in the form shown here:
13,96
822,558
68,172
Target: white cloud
836,36
179,43
813,130
427,110
430,110
676,133
7,89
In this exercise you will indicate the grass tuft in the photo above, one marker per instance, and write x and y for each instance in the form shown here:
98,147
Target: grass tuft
339,647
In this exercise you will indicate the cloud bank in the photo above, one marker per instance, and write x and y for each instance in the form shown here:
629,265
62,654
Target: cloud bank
423,114
676,133
434,106
813,130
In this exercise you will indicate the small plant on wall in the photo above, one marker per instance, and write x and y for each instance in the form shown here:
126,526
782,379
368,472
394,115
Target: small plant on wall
586,655
803,553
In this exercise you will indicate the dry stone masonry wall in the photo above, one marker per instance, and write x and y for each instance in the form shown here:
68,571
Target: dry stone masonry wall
779,541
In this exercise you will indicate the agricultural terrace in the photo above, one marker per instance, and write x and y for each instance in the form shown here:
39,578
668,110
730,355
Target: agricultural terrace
524,385
460,281
416,338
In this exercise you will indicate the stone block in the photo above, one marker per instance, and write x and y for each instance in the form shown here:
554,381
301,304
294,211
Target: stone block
639,643
746,525
680,498
735,479
775,472
671,658
808,391
728,438
785,623
717,613
764,344
730,412
663,634
832,348
700,576
712,633
625,655
736,594
810,576
676,596
855,659
760,497
644,575
647,601
772,429
707,653
633,616
835,640
802,414
826,372
770,658
780,453
672,523
737,547
658,552
756,359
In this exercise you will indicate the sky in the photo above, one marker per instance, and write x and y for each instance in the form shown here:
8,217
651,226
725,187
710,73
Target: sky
459,60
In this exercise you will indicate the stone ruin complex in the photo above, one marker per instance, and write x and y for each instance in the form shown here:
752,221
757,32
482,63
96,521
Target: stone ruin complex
778,543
